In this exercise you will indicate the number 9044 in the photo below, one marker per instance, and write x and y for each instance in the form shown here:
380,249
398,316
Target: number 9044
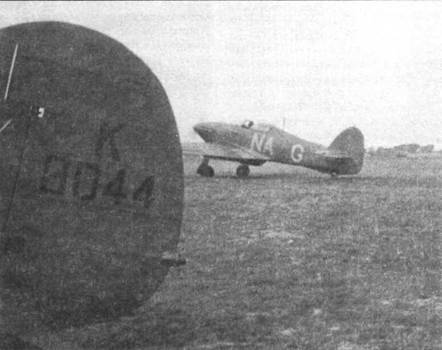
82,180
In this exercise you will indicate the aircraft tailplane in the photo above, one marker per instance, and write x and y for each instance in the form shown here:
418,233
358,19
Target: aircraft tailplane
350,142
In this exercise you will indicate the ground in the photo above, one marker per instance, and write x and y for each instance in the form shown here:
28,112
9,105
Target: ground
292,259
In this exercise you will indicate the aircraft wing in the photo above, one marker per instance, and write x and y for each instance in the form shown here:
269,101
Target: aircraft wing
217,151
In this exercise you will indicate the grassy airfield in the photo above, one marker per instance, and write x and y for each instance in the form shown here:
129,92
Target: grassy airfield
292,259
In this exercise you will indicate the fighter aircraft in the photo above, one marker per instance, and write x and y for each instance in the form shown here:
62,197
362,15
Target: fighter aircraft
250,144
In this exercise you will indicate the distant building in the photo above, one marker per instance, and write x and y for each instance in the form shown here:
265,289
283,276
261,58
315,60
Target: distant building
403,150
385,152
371,151
407,148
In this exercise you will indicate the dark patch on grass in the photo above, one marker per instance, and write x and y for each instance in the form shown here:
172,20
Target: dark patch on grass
169,328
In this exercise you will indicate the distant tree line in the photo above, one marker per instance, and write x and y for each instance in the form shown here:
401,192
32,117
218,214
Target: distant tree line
401,150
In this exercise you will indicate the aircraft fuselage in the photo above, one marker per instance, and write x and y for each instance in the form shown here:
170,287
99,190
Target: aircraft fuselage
273,143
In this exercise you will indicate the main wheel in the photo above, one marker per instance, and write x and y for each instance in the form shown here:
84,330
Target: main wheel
206,171
242,171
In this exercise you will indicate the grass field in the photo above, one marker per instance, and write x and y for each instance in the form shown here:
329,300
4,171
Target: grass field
292,259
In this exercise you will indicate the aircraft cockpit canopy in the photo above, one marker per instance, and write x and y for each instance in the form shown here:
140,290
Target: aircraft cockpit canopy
262,127
247,124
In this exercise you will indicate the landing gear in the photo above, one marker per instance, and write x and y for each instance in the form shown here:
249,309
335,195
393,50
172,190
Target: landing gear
205,169
242,171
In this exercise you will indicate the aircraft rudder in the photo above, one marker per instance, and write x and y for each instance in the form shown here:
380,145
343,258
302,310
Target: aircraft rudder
351,141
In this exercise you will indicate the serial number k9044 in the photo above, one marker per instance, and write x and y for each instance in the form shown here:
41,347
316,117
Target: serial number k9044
86,181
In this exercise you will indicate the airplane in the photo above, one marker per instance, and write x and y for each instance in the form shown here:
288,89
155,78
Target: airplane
254,144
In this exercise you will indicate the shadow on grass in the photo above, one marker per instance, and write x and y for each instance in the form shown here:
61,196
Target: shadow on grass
173,328
301,178
11,342
163,327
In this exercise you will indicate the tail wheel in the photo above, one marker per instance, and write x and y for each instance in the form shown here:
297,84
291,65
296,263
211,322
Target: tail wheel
206,170
243,171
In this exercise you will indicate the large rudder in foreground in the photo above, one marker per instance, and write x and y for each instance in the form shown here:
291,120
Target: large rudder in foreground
92,188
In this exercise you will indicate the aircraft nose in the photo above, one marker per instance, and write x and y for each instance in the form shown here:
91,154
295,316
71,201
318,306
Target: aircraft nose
199,127
205,130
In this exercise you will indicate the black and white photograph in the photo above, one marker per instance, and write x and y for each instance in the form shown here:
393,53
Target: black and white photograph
220,175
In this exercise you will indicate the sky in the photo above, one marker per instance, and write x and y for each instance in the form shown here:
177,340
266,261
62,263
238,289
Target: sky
313,67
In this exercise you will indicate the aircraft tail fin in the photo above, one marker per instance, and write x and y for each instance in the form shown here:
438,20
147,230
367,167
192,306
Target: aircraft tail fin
351,143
